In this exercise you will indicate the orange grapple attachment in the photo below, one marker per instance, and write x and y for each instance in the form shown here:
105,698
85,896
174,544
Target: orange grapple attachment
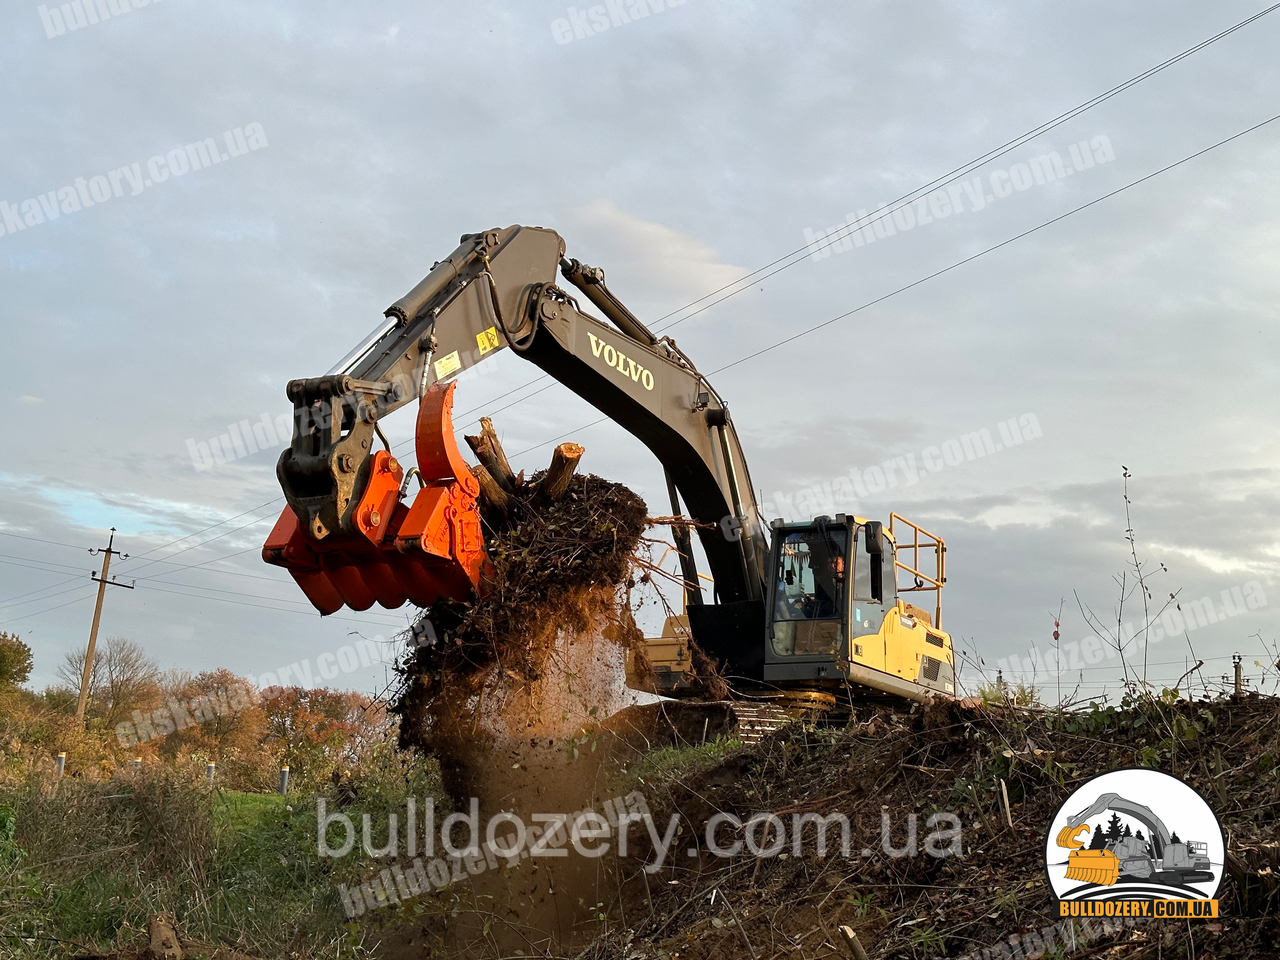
444,521
397,553
1069,837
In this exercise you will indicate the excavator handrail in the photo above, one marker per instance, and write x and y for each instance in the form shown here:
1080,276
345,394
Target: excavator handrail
939,579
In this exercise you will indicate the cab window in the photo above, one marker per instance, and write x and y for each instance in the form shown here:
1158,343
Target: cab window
809,593
811,575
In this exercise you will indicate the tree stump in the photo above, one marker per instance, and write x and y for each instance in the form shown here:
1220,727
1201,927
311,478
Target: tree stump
493,499
564,462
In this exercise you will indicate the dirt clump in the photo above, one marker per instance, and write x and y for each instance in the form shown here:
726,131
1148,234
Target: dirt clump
557,569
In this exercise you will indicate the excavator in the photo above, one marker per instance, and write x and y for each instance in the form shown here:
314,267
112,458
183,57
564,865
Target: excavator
1157,859
808,610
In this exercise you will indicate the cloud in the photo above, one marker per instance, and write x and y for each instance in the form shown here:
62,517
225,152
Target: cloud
678,153
655,259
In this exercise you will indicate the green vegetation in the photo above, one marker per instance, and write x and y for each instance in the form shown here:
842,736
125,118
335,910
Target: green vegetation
85,862
670,765
15,661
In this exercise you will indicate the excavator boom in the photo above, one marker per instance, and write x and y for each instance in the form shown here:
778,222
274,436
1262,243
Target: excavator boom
348,539
498,290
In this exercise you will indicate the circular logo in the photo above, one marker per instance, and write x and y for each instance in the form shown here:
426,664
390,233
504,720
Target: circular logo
1135,835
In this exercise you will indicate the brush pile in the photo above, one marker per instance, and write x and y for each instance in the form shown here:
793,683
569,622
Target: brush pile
981,902
561,547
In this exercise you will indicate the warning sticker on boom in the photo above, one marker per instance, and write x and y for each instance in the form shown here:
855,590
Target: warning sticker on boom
447,364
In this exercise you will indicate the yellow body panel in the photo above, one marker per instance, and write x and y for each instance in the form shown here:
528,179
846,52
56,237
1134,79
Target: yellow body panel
901,646
669,660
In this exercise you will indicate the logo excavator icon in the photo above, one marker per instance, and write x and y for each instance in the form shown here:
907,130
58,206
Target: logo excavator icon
1160,858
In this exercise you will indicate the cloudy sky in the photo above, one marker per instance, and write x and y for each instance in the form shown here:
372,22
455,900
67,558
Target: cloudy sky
680,151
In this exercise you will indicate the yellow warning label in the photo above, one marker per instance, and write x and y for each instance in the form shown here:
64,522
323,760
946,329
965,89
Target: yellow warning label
487,340
447,365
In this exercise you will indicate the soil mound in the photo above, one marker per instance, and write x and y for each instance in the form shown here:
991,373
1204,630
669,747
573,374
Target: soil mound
990,893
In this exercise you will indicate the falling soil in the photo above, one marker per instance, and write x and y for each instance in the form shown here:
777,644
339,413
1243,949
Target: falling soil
503,695
559,571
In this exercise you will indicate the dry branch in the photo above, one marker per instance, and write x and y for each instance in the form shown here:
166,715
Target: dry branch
853,943
488,450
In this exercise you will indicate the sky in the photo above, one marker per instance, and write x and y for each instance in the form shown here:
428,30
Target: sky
680,151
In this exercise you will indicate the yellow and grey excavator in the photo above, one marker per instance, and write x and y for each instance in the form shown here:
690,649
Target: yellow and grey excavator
1156,858
804,608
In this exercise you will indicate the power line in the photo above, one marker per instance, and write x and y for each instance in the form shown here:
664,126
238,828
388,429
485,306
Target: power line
11,600
163,546
1003,243
56,543
30,560
151,583
303,613
50,596
27,616
234,593
202,568
950,177
965,169
948,269
202,543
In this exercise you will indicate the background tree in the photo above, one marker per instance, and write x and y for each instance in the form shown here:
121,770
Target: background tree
316,731
1113,828
230,729
1099,839
123,679
15,661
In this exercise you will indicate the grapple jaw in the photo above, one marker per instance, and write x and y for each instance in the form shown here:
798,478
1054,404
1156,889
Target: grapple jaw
388,551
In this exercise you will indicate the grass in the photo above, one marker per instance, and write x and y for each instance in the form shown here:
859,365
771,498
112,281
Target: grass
87,866
656,773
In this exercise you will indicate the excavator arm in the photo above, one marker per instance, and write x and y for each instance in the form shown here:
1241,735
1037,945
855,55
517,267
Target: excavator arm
346,535
1160,836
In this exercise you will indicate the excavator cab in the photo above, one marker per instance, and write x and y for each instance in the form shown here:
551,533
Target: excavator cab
834,610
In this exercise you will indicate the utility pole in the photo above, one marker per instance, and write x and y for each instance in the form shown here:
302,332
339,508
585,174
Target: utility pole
1238,662
102,583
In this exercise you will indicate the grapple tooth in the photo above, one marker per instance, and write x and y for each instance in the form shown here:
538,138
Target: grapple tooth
1093,866
432,549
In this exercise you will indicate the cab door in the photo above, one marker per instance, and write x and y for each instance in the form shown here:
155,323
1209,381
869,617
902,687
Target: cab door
808,601
874,592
